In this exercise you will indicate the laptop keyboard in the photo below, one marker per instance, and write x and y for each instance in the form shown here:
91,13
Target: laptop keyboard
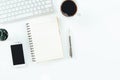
11,10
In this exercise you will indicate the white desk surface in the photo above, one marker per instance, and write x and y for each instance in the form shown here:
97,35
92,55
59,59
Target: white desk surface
96,46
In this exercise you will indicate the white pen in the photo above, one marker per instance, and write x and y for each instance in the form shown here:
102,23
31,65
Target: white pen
70,44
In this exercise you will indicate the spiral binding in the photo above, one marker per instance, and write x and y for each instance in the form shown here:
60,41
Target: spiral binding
30,42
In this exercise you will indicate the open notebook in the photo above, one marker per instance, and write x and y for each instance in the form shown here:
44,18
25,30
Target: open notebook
44,39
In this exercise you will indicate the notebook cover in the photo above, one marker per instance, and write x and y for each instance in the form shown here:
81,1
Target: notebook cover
44,38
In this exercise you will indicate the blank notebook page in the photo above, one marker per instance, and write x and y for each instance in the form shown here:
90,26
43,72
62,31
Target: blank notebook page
46,39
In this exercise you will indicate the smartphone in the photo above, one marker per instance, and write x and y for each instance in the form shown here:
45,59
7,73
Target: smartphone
17,54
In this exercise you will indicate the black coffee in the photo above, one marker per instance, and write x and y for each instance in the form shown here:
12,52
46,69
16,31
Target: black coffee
68,8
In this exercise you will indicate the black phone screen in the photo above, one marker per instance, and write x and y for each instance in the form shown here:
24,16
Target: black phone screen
17,54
